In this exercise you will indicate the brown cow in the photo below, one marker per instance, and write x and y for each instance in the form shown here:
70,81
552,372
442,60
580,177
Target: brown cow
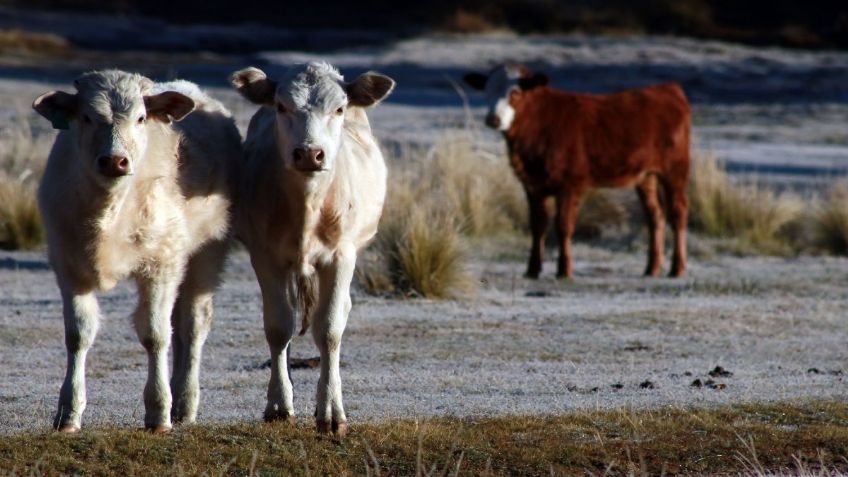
561,144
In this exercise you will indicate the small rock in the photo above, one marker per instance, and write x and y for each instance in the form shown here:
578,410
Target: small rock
720,372
646,385
617,386
687,373
697,383
814,371
536,294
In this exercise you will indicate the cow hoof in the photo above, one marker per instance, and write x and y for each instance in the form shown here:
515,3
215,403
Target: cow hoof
339,429
160,429
676,274
287,418
68,429
532,275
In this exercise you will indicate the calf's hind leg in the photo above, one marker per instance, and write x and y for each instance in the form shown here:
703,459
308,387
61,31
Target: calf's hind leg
679,205
191,321
82,317
649,196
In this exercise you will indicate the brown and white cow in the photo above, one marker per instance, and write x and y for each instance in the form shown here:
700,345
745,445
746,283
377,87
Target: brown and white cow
311,196
560,144
130,193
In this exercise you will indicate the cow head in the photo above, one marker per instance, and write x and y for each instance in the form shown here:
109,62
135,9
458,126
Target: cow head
311,101
504,87
108,117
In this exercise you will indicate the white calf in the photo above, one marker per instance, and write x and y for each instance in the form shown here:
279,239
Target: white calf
311,196
126,193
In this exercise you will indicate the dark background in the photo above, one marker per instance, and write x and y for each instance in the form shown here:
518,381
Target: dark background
795,23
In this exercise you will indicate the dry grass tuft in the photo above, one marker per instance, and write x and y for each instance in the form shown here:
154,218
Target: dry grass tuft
19,41
755,217
20,219
830,220
22,160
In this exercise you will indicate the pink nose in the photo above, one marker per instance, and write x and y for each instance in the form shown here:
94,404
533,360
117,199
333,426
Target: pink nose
308,159
493,121
113,166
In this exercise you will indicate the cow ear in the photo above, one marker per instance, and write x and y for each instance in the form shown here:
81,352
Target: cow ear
254,85
475,80
57,106
535,81
168,106
369,89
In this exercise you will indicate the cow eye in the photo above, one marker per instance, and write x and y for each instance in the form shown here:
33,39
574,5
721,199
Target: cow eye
340,111
141,120
280,108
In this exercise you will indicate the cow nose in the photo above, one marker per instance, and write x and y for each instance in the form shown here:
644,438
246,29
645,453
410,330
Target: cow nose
113,166
308,159
493,121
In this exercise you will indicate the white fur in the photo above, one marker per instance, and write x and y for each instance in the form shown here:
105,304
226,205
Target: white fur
500,84
165,226
307,227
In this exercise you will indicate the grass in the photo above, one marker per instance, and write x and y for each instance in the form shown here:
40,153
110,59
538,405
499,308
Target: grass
21,166
831,220
19,41
749,439
756,218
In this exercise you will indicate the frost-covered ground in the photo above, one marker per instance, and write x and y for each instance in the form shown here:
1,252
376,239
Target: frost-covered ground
520,346
610,339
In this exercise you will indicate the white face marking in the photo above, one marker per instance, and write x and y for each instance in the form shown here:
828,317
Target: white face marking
311,105
500,84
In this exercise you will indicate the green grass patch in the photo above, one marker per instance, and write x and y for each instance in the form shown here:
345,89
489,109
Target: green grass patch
742,438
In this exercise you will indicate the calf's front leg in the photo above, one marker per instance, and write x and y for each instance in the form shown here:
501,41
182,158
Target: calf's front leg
153,327
328,324
279,320
82,318
538,228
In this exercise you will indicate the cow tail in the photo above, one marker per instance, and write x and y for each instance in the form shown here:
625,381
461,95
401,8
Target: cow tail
307,294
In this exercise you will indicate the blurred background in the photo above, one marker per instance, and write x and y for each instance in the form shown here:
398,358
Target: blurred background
809,24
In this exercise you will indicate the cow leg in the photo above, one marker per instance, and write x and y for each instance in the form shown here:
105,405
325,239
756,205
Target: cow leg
328,324
568,204
82,318
153,327
191,321
539,229
649,196
279,319
679,204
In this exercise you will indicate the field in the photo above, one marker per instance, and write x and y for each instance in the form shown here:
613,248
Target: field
739,367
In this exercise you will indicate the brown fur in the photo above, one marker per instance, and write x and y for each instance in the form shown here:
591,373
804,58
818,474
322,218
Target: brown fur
561,144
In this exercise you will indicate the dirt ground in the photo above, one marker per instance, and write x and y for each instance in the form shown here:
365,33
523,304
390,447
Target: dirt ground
608,339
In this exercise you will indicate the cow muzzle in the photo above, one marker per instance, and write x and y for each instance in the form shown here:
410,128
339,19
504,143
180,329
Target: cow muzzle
493,121
308,159
114,166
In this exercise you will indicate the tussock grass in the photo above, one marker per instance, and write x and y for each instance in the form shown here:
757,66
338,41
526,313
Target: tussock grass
830,219
20,41
22,160
20,220
755,217
746,439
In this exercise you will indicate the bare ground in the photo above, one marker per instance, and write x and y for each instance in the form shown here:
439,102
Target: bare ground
608,339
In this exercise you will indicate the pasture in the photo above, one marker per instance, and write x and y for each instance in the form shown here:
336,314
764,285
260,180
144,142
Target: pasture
738,367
